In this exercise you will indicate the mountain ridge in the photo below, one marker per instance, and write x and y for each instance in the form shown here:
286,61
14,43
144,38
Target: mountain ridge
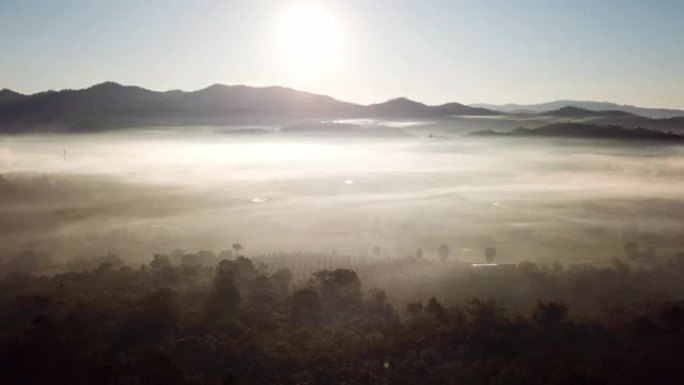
577,112
112,105
115,103
656,113
7,96
584,131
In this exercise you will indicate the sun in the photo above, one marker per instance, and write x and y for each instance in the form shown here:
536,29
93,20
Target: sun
309,41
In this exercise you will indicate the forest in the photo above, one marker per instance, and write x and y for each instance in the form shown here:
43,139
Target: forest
207,318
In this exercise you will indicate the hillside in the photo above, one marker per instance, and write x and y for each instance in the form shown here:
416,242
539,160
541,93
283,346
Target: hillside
576,112
583,130
399,107
111,104
658,113
8,96
114,101
462,109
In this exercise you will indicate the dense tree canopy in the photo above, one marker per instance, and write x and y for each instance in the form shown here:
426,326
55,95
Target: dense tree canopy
237,322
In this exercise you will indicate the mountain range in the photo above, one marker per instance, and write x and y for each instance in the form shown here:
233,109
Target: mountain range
111,105
576,112
657,113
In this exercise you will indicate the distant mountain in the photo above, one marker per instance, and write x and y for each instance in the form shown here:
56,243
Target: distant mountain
110,105
462,109
114,101
8,96
399,107
576,112
658,113
406,108
583,130
266,101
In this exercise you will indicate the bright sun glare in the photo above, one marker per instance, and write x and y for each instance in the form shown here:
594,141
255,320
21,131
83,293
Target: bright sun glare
309,40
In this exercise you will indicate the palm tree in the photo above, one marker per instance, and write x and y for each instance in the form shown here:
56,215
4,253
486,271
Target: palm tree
237,247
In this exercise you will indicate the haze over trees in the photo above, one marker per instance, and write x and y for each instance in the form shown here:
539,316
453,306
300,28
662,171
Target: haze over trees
235,322
339,211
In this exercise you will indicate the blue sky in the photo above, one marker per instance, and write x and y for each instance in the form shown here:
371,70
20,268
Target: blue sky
518,51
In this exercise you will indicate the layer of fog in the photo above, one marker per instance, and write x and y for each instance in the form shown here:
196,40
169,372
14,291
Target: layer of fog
140,192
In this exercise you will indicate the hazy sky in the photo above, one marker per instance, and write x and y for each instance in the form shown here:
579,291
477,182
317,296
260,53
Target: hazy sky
434,51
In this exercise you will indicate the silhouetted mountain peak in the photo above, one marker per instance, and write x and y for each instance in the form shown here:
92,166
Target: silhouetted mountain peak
115,103
577,112
8,96
216,88
402,102
106,85
6,91
399,107
461,109
573,110
452,105
588,105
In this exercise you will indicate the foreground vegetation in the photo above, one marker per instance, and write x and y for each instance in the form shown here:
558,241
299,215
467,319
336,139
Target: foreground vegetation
186,320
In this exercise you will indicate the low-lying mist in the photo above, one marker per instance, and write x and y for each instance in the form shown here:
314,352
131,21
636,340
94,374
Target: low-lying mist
352,200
